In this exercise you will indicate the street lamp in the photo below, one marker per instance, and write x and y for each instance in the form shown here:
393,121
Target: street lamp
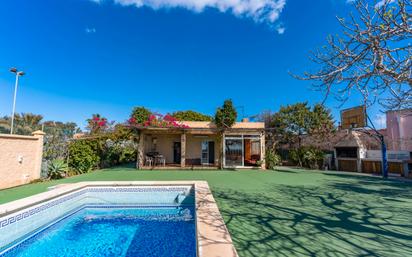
18,74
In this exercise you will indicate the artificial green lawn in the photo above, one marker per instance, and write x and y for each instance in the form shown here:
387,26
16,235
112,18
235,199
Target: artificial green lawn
292,212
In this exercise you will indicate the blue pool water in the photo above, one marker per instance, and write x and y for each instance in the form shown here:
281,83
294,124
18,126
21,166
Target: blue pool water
97,231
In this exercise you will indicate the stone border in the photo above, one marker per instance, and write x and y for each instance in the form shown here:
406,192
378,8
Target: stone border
213,238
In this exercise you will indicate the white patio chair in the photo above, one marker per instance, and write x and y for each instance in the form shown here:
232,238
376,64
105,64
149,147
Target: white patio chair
160,160
149,161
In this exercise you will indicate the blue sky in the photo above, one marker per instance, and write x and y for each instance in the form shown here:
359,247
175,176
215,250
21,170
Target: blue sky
89,56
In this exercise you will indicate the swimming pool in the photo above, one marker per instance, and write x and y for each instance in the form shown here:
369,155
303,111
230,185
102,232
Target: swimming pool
116,219
112,231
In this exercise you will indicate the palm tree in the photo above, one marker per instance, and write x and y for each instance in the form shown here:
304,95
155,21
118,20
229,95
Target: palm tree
29,122
5,124
25,123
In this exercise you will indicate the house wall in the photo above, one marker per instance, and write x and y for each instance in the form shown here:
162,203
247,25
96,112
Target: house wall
20,159
399,130
194,146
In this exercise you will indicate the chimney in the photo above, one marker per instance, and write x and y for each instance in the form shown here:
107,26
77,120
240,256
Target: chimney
245,120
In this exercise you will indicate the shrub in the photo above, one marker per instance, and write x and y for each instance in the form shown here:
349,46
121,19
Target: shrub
82,157
57,169
103,151
118,152
191,116
313,158
296,155
272,160
310,157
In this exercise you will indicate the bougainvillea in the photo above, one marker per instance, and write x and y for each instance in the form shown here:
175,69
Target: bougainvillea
98,124
140,114
158,120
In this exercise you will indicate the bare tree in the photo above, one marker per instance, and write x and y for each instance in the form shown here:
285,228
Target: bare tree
373,55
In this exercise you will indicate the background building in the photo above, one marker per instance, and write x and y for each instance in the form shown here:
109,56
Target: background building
399,130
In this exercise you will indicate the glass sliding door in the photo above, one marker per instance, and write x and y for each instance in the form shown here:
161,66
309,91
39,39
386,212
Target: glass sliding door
233,152
242,150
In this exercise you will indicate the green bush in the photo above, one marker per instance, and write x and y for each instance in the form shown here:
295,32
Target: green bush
307,156
313,158
117,152
272,160
103,151
57,169
83,155
226,115
297,156
191,116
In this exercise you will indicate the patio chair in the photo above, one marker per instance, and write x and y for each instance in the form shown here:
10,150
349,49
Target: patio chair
149,161
160,160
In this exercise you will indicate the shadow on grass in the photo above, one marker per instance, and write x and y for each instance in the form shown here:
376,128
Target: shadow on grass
285,171
371,185
333,220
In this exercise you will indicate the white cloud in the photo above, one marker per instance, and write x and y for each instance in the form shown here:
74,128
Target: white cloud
90,30
280,29
261,11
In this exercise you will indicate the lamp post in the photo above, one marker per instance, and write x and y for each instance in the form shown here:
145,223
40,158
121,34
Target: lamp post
18,74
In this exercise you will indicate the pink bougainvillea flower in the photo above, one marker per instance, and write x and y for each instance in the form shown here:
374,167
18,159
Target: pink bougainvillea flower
132,120
152,117
169,118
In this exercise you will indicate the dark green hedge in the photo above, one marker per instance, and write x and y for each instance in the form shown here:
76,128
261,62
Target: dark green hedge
102,151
